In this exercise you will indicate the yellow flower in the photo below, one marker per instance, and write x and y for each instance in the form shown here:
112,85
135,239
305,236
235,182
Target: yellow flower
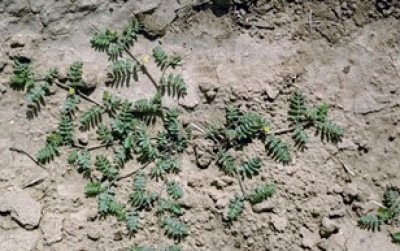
71,91
144,59
266,129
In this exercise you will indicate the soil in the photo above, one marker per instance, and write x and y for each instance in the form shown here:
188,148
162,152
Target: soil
346,53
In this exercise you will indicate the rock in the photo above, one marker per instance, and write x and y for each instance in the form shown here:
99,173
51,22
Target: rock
118,236
92,76
209,90
17,8
347,144
349,193
17,41
3,62
195,182
83,138
23,209
155,25
309,239
222,202
279,223
93,234
265,206
19,240
201,151
271,92
87,5
51,226
218,183
328,227
143,6
337,213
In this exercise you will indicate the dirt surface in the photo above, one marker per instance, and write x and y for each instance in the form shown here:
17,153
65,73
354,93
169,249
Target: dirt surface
344,52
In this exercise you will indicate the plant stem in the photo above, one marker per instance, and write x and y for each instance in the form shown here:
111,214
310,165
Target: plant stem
240,183
17,150
130,173
84,96
144,68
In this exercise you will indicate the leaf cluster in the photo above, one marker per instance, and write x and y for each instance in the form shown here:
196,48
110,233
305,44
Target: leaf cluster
388,214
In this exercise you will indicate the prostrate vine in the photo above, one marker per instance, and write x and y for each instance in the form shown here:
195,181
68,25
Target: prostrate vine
243,127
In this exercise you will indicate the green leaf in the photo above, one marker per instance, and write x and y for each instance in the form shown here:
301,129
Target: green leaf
71,104
174,190
66,129
132,221
235,207
90,118
369,222
73,157
251,168
74,74
129,33
173,85
164,205
163,60
174,228
297,107
330,131
104,134
389,197
300,137
227,163
23,77
111,103
93,189
35,97
396,237
122,72
84,163
47,153
51,74
261,193
106,168
277,149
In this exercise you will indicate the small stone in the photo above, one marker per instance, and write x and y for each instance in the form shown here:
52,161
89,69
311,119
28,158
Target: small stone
347,144
339,213
265,206
309,239
271,92
51,226
203,156
17,41
83,138
195,182
328,227
19,239
349,193
279,223
23,209
93,234
118,236
222,203
218,183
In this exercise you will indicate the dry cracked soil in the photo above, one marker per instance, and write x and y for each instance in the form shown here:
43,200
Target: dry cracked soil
345,52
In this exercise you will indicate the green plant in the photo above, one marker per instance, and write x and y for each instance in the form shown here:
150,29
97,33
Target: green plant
388,213
130,145
122,126
243,127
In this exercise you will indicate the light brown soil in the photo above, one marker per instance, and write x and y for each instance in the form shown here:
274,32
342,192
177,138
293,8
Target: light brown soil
349,57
